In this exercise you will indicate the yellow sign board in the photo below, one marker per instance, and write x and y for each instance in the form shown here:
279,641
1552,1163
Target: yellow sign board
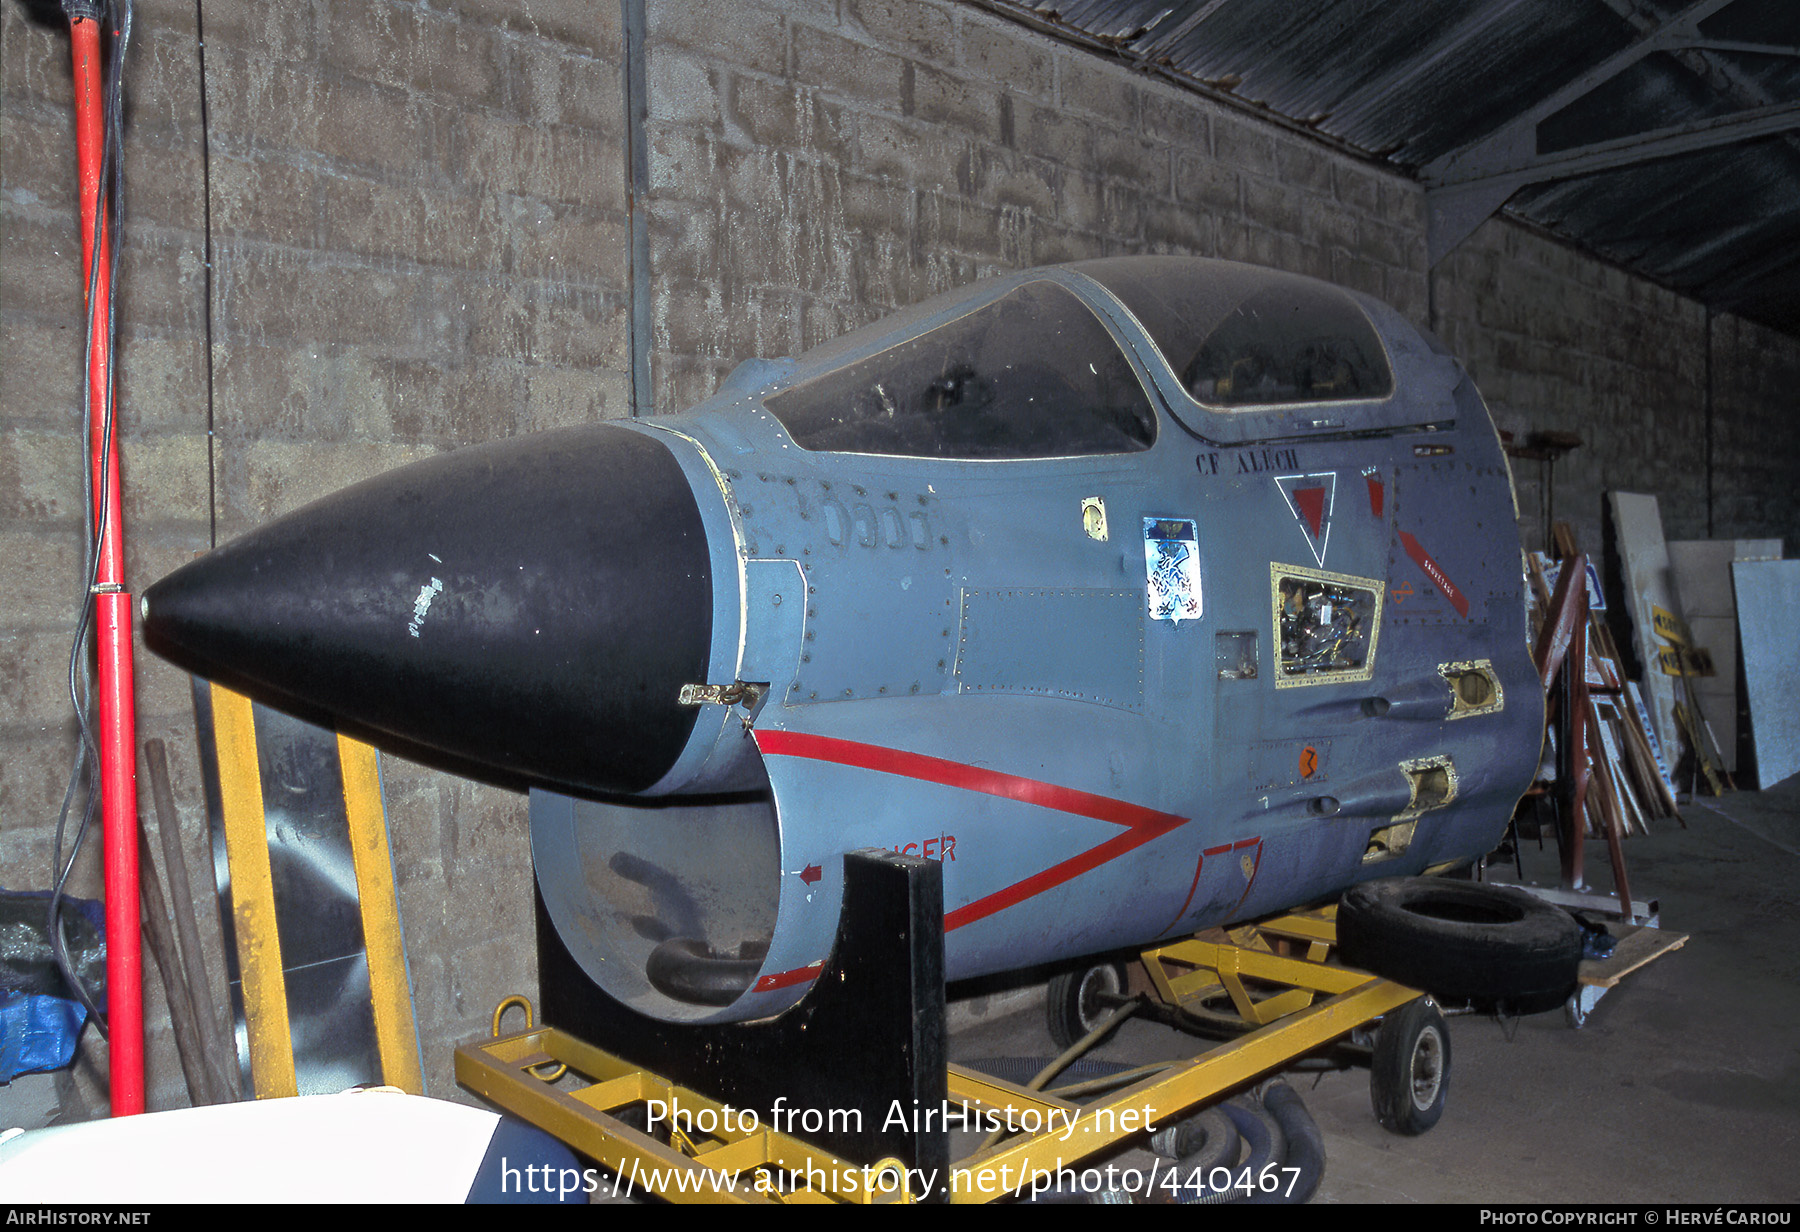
1680,661
1671,626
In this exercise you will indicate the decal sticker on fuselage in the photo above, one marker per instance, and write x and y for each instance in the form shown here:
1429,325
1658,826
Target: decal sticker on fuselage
1172,569
1431,569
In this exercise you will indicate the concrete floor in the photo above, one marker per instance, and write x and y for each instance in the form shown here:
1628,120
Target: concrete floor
1684,1086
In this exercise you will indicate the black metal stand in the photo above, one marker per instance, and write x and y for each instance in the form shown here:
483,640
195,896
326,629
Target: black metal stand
864,1051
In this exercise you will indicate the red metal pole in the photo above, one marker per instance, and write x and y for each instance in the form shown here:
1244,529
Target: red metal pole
112,613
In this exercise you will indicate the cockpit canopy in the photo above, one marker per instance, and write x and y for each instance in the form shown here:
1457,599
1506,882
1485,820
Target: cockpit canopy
1248,337
1032,374
1071,361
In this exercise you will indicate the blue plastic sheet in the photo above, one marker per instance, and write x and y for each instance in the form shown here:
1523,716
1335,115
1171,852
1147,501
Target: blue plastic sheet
37,1033
39,1025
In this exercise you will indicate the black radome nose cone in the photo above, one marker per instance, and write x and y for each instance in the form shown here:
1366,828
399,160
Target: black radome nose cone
532,606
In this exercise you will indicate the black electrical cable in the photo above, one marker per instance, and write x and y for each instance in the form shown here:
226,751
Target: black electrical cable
111,201
206,231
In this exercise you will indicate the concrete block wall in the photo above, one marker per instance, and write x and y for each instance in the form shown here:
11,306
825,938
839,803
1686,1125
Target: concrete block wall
1558,340
1755,442
419,240
823,163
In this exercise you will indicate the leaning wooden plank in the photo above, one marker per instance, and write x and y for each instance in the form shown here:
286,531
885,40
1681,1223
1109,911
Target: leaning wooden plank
1686,719
1644,758
1705,747
1612,820
1604,754
1634,803
1630,813
1656,749
1615,835
1535,563
1563,535
1639,770
1539,592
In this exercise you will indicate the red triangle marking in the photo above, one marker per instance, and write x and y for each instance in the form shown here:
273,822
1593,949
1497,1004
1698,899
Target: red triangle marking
1311,503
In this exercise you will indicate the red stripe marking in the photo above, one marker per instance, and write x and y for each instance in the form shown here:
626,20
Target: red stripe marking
1431,569
1054,876
784,979
1199,863
1255,867
1141,824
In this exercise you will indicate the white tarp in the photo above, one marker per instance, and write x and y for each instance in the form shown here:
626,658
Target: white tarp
1703,581
1768,596
1649,582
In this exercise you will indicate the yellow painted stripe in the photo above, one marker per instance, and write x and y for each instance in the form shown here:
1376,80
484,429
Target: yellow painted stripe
253,896
390,992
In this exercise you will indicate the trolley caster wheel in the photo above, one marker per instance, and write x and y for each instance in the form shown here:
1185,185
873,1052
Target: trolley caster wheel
1410,1073
1076,1001
1580,1004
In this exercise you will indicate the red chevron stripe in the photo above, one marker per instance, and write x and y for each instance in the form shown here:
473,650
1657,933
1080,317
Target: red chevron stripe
1141,824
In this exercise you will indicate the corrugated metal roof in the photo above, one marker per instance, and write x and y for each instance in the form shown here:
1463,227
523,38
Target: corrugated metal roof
1416,83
